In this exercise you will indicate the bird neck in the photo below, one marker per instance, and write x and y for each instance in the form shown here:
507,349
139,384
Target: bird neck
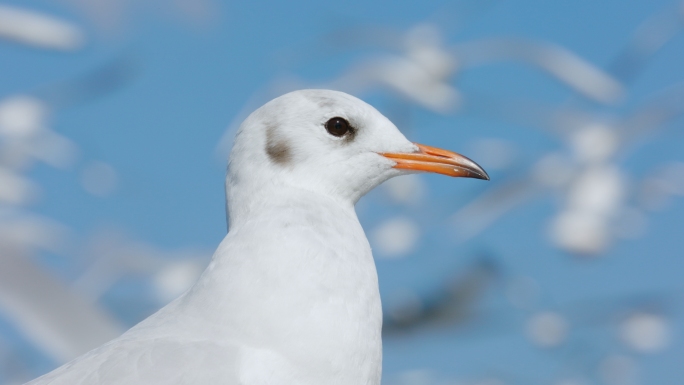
249,197
294,254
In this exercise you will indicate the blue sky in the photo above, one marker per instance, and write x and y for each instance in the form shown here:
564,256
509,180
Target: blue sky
160,131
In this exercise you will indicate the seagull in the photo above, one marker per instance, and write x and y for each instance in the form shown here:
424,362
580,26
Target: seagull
291,294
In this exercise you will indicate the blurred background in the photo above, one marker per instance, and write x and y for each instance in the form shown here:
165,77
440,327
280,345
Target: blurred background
116,118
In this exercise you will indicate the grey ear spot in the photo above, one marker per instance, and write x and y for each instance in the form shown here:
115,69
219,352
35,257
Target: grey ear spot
277,149
323,102
326,103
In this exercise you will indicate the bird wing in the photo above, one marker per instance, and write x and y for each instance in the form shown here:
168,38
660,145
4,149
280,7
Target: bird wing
565,66
162,360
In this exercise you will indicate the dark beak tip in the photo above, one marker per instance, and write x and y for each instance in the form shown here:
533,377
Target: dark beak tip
478,173
482,176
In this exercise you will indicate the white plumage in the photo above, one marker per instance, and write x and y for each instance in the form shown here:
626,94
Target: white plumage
291,294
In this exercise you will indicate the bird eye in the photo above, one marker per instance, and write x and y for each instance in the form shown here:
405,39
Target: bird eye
337,126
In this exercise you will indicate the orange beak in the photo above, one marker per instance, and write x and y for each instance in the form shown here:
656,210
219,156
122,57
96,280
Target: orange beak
432,159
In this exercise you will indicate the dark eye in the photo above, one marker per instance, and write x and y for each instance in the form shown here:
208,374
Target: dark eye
337,126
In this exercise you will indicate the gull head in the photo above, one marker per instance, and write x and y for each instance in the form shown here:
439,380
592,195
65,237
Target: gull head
330,143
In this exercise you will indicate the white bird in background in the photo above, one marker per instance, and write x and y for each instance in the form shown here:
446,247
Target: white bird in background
291,295
52,314
599,203
39,30
423,67
599,200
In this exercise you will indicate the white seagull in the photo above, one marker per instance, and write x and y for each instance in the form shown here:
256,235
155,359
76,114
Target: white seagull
291,294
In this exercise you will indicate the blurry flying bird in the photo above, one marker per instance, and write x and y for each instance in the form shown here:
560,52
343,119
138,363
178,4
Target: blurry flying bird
449,305
594,190
598,202
28,292
423,68
38,30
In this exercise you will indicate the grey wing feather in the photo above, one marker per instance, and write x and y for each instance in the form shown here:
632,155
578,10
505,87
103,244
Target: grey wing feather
150,362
